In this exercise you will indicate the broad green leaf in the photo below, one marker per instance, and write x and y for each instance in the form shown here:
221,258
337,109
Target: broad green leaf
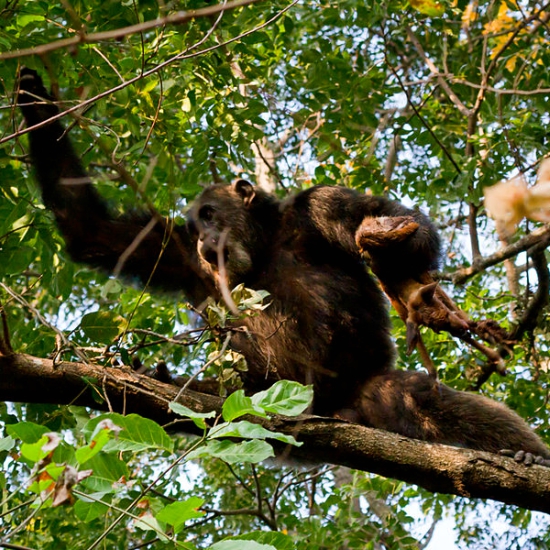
98,442
177,513
137,433
28,432
147,522
234,453
102,326
88,511
238,404
41,448
112,286
108,469
24,19
285,397
248,430
7,443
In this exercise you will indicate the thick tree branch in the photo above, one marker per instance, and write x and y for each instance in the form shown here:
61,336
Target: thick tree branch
435,467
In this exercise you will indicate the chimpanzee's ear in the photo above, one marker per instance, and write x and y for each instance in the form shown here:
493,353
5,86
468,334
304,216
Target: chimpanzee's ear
246,191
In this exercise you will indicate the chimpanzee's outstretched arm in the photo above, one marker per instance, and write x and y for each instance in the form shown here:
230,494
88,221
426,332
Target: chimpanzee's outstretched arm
136,245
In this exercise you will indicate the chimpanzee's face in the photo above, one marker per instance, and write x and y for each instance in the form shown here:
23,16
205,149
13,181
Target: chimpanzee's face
220,220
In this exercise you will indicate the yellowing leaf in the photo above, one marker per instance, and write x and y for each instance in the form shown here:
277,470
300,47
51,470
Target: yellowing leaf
501,22
511,63
470,13
432,8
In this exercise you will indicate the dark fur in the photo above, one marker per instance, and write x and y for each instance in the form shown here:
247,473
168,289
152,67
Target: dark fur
327,324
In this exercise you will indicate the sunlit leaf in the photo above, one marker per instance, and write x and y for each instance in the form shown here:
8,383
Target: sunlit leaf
234,453
238,404
137,433
177,513
197,418
249,430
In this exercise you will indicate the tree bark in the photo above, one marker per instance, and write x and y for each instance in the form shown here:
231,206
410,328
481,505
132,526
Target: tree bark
438,468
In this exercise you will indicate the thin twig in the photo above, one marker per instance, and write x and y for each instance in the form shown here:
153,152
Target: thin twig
433,69
415,109
131,248
531,314
113,524
205,366
59,334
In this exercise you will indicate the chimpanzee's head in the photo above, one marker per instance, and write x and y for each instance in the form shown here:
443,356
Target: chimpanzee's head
223,221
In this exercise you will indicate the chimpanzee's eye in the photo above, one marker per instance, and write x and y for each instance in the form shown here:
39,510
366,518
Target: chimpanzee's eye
206,213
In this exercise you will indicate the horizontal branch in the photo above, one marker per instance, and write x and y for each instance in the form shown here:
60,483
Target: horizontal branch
438,468
537,237
116,34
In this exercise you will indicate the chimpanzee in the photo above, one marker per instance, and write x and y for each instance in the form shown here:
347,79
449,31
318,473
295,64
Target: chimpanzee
327,324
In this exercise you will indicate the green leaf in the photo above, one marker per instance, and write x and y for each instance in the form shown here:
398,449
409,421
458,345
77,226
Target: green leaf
197,418
285,397
432,8
138,433
112,286
147,522
108,469
35,452
102,326
234,453
241,545
46,480
238,404
24,19
248,430
28,432
7,443
98,442
177,513
88,511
